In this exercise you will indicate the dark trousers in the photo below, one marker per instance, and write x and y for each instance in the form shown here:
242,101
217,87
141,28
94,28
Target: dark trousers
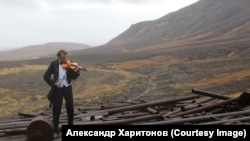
59,94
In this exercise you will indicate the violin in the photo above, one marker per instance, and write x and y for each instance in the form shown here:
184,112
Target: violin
71,65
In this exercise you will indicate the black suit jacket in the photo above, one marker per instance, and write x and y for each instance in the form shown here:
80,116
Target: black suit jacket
51,76
52,73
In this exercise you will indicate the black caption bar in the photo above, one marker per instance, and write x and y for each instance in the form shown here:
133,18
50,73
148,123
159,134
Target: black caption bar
159,132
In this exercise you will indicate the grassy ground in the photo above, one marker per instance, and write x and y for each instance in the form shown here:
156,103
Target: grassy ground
22,88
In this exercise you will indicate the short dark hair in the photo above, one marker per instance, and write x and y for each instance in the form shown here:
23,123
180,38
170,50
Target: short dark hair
62,51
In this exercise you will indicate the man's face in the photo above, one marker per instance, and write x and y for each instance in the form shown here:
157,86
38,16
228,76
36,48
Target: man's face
62,57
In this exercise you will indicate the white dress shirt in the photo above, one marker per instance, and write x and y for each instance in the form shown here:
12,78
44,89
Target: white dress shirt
63,77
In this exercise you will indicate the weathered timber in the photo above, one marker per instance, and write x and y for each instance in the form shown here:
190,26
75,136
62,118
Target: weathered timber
124,121
198,119
186,110
203,108
152,111
40,129
241,119
153,103
206,93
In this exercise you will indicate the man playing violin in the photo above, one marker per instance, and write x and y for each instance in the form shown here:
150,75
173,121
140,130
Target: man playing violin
59,79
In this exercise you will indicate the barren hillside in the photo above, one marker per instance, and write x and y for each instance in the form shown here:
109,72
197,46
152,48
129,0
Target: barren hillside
204,20
37,51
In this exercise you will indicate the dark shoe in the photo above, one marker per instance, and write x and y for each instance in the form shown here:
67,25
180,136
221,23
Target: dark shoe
70,122
56,135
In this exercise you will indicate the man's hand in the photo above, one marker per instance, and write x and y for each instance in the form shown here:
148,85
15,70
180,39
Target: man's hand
58,84
77,69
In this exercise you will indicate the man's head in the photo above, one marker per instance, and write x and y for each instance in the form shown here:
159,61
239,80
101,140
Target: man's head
62,55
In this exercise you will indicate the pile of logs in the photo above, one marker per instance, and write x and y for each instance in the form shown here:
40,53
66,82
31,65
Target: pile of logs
199,108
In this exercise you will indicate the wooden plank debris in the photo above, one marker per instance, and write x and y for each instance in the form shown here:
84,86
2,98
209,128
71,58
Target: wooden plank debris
206,108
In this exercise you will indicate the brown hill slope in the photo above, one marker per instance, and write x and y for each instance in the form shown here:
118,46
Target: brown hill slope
37,51
206,19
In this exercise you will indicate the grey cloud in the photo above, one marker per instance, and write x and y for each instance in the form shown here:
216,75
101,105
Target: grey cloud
100,1
19,3
34,4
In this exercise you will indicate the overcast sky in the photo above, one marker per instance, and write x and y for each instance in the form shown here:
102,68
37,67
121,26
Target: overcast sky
91,22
